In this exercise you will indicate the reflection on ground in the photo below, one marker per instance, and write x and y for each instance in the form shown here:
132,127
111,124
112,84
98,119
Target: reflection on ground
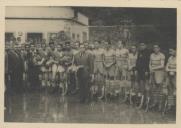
53,108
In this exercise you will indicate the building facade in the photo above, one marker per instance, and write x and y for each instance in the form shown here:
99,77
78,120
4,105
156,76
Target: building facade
44,22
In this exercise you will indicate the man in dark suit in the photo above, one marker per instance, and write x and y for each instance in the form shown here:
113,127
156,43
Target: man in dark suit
142,66
84,61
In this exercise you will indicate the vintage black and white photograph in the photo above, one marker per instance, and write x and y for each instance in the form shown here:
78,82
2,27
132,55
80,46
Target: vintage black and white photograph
97,65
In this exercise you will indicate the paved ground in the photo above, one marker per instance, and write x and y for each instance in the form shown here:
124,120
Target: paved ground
41,107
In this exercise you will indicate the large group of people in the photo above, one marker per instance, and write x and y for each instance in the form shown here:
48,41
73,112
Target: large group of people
97,71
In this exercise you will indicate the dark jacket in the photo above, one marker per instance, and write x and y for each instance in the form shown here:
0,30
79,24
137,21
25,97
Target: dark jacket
86,60
142,63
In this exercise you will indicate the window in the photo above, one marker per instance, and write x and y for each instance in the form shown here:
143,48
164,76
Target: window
35,37
84,37
8,36
78,37
73,36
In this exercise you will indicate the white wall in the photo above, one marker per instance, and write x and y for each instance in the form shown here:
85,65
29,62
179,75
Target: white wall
43,12
38,12
79,29
25,26
83,19
34,25
43,26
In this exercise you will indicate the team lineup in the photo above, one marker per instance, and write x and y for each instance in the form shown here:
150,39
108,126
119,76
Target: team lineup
96,71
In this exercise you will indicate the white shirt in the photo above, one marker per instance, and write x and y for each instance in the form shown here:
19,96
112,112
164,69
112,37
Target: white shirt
157,60
132,60
122,56
75,51
122,53
171,64
109,56
98,53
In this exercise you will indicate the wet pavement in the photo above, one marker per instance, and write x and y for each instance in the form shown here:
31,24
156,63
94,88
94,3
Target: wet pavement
53,108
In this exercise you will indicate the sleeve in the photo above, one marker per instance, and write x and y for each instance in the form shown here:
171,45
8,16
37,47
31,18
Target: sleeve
150,62
167,64
137,61
48,54
103,56
163,60
75,59
72,58
147,61
91,64
6,62
127,52
113,53
129,62
114,56
163,57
